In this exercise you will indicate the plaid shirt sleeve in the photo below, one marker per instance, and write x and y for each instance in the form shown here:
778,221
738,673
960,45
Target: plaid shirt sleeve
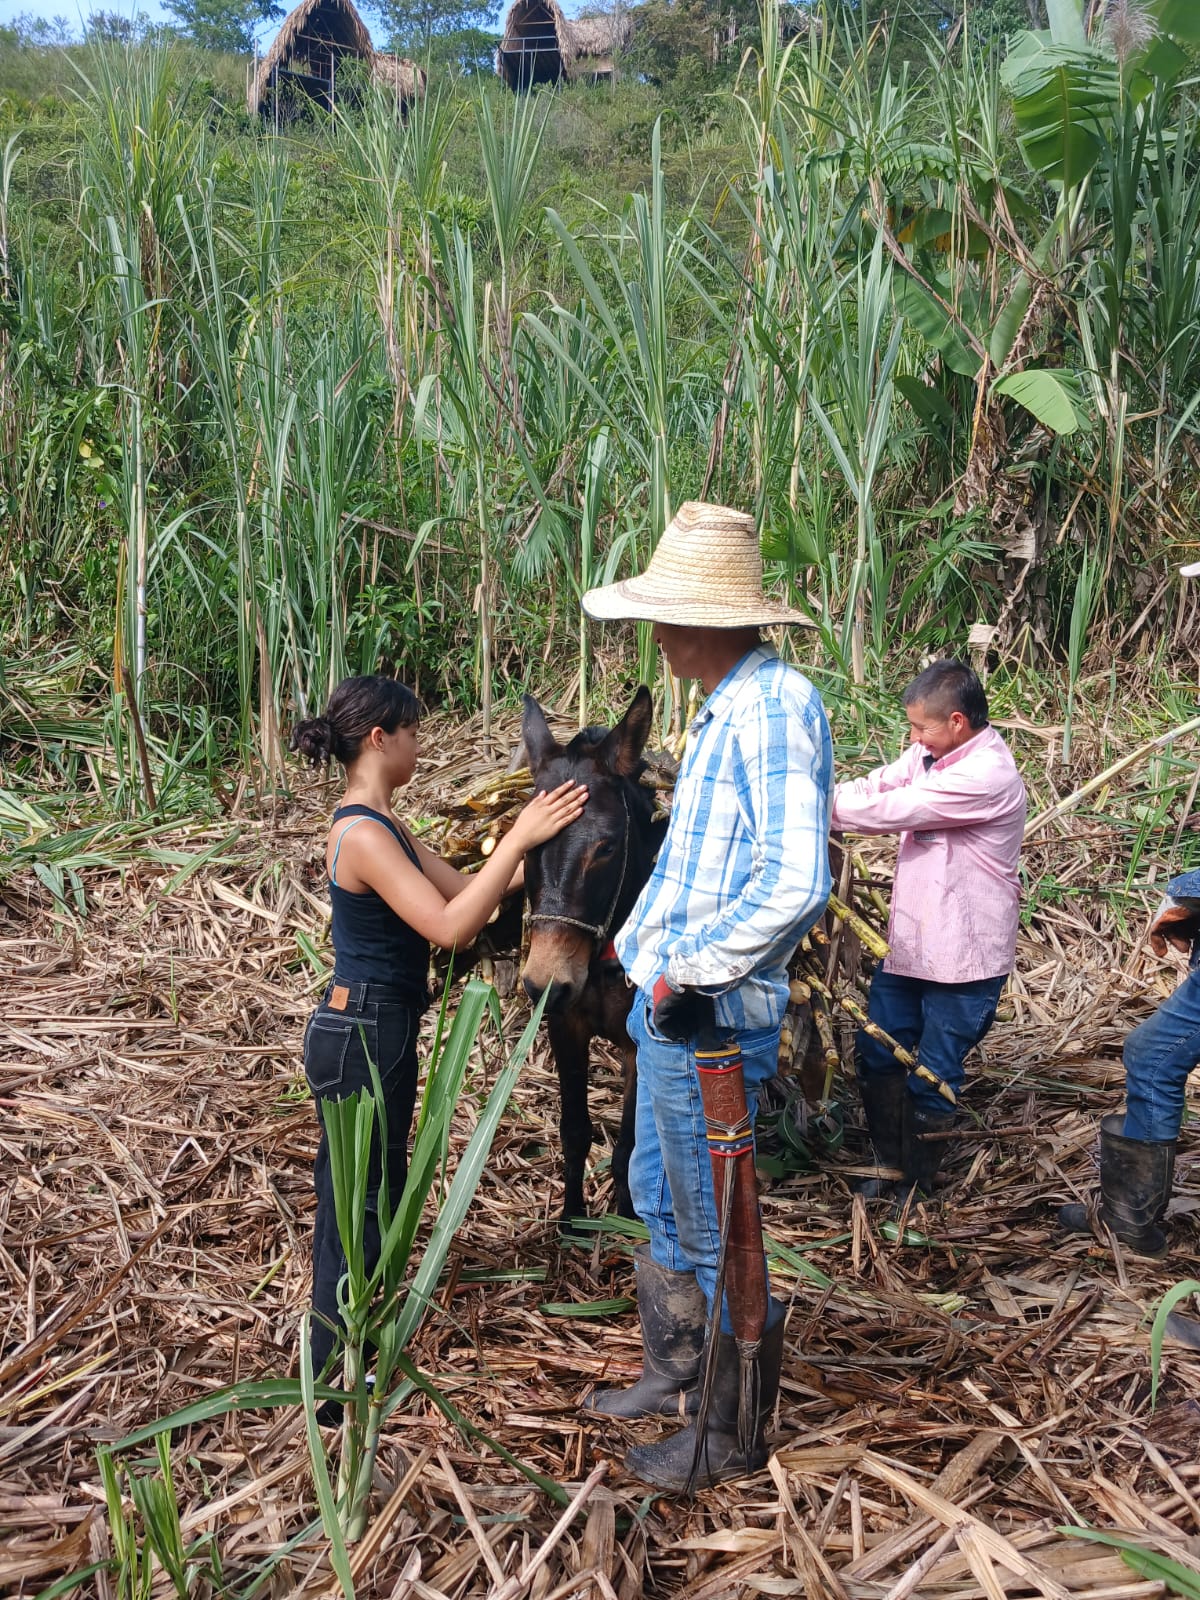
781,787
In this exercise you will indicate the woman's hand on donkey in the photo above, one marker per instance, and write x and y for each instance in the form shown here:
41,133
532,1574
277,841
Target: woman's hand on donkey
548,813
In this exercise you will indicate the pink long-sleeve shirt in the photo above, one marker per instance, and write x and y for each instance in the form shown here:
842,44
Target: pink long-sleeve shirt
960,821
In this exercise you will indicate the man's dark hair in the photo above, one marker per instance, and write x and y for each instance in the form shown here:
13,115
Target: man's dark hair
947,686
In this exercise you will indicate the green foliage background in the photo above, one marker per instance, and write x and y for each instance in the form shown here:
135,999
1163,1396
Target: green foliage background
370,393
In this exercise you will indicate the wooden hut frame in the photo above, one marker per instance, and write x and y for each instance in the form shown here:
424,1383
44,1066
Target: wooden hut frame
302,65
535,46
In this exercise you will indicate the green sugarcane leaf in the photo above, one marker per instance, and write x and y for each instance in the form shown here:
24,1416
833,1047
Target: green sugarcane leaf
549,1486
891,1230
795,1260
1149,1564
587,1308
73,1581
1176,1293
503,1275
620,1227
261,1394
470,1166
339,1558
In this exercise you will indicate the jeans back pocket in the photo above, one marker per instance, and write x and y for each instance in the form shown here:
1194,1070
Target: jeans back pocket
331,1043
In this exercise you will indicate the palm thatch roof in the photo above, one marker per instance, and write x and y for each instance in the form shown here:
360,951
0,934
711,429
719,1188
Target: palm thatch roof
315,36
597,39
536,45
396,73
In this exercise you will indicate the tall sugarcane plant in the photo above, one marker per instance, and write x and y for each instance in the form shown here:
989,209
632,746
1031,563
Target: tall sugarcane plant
942,314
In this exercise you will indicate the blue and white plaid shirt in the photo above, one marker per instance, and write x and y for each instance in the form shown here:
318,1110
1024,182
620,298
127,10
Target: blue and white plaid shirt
744,870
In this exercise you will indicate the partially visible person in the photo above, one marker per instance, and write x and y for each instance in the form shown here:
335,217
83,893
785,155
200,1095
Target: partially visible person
1137,1145
391,899
957,801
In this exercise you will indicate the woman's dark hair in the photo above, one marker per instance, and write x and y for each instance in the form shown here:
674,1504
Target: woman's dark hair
948,686
355,707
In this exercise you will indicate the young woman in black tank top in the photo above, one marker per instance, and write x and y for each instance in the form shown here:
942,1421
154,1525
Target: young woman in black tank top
391,899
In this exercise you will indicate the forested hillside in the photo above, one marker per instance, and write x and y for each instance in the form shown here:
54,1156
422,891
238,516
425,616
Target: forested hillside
368,392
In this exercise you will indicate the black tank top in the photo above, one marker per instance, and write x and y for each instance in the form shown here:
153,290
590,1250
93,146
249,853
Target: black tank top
371,944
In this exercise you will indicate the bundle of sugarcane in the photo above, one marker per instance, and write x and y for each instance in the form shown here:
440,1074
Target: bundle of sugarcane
467,830
831,973
800,1117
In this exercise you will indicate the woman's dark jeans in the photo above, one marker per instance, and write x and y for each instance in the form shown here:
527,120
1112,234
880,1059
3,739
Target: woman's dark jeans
372,1024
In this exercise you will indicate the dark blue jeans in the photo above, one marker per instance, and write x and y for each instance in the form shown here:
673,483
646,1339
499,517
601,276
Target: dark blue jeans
1158,1057
938,1022
337,1045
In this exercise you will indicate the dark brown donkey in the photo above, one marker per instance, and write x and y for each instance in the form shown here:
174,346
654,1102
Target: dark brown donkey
581,886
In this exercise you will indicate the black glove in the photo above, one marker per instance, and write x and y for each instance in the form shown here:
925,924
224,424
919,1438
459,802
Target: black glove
681,1014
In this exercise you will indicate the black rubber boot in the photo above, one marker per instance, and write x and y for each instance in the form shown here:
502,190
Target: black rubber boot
673,1312
671,1463
888,1106
1136,1177
922,1158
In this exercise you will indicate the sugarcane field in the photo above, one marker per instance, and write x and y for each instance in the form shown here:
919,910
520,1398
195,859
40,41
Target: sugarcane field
600,801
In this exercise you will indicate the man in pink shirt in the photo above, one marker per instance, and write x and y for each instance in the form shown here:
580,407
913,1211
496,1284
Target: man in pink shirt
957,801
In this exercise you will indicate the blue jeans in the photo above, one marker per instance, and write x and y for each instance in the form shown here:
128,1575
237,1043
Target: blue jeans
1158,1057
938,1022
670,1175
339,1047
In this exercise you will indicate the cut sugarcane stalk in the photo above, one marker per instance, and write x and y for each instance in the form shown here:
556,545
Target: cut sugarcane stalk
874,942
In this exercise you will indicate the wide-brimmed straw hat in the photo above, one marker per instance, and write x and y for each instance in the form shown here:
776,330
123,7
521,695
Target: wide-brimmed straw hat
705,573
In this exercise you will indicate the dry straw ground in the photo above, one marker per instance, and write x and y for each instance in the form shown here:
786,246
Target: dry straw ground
944,1408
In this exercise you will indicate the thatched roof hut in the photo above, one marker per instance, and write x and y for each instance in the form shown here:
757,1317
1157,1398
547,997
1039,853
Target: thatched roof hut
302,65
399,76
598,41
535,46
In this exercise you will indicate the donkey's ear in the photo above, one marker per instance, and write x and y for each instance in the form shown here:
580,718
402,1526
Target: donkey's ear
540,744
622,750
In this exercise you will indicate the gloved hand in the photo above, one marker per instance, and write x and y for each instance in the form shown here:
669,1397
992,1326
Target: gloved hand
680,1014
1175,923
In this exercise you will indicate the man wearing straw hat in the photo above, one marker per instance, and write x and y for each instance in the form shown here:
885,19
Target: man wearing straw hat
742,875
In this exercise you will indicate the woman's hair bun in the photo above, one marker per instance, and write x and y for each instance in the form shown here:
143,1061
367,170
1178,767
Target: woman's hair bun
355,707
314,740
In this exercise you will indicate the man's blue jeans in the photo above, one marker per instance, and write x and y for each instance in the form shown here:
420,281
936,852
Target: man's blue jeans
938,1022
670,1176
1158,1057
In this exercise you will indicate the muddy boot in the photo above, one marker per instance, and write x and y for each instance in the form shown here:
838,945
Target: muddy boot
888,1107
672,1463
673,1311
1135,1185
923,1158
